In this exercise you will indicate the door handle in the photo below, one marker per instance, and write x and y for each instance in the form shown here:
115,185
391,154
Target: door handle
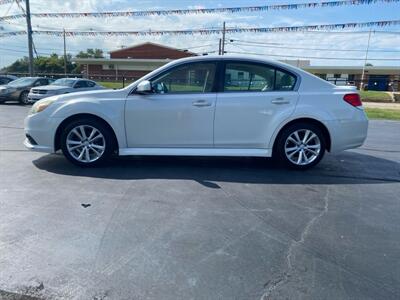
280,100
201,103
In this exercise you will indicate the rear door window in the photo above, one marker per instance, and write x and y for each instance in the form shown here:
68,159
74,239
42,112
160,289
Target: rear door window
248,77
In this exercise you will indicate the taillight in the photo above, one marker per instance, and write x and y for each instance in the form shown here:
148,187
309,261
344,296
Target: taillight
353,99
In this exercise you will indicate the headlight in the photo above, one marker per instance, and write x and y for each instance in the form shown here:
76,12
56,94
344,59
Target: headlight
41,105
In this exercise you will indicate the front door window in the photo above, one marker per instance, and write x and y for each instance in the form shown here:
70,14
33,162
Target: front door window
189,78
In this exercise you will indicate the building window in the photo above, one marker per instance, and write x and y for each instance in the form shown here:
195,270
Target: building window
322,76
337,75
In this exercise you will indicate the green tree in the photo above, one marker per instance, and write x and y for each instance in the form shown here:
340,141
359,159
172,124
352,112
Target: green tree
91,53
43,65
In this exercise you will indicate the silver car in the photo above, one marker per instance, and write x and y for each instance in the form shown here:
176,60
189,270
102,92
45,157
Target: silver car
62,86
19,89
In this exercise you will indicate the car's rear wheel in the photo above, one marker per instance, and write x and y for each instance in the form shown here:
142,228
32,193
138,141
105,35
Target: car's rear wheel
301,145
23,98
87,142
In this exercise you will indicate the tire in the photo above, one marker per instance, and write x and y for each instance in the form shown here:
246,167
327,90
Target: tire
23,98
82,151
300,146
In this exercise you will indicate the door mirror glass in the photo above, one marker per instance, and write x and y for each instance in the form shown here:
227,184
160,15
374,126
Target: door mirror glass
144,87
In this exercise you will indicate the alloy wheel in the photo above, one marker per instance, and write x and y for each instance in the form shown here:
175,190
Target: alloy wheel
302,147
85,143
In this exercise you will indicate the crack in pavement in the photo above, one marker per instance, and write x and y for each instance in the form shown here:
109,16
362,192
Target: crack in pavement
281,279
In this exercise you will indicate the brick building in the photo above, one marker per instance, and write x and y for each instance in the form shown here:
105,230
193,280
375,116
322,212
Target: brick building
131,62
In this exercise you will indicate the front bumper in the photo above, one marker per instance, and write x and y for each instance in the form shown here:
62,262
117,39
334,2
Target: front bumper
37,148
41,129
32,98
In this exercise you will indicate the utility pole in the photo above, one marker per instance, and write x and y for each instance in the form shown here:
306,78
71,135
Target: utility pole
65,55
223,39
365,62
29,29
220,45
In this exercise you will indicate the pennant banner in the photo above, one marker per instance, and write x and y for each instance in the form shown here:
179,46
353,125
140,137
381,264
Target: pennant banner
198,10
8,1
210,31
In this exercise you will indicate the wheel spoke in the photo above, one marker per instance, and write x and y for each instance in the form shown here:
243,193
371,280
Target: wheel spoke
293,140
300,158
81,154
311,151
310,138
83,133
296,135
91,135
306,136
75,147
293,153
291,149
77,134
97,146
95,138
71,142
95,151
87,156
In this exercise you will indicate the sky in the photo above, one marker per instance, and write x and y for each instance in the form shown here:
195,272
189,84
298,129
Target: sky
12,48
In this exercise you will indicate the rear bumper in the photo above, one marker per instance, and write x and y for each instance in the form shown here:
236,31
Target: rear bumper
349,133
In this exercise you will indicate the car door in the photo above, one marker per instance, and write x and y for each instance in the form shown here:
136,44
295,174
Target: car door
252,101
179,112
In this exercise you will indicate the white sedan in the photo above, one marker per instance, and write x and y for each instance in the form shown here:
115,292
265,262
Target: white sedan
62,86
204,106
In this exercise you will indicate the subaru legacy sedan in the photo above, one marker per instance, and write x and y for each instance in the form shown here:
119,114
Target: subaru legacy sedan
62,86
204,106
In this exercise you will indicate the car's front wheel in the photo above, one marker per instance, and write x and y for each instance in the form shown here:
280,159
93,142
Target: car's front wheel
87,142
301,145
23,98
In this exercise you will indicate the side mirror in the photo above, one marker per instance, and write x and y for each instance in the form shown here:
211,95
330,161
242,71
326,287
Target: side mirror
144,87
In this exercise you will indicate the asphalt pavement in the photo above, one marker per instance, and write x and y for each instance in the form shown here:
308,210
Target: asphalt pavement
199,228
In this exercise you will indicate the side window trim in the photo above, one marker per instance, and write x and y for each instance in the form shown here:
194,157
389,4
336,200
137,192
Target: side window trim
221,87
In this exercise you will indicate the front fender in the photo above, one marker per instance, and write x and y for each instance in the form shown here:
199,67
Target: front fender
111,111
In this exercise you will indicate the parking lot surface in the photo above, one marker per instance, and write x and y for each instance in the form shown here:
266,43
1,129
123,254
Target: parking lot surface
199,228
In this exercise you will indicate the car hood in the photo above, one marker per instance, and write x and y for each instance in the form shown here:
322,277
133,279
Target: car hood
52,87
92,95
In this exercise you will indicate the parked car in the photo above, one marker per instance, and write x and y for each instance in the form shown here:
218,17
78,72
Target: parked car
62,86
190,107
4,79
19,89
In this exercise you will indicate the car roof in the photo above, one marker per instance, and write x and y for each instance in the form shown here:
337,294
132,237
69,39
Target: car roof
8,76
244,57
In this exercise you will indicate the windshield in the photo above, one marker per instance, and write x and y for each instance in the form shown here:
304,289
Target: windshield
64,82
22,81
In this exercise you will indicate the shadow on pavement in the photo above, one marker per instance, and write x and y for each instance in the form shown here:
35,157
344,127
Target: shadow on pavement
346,168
